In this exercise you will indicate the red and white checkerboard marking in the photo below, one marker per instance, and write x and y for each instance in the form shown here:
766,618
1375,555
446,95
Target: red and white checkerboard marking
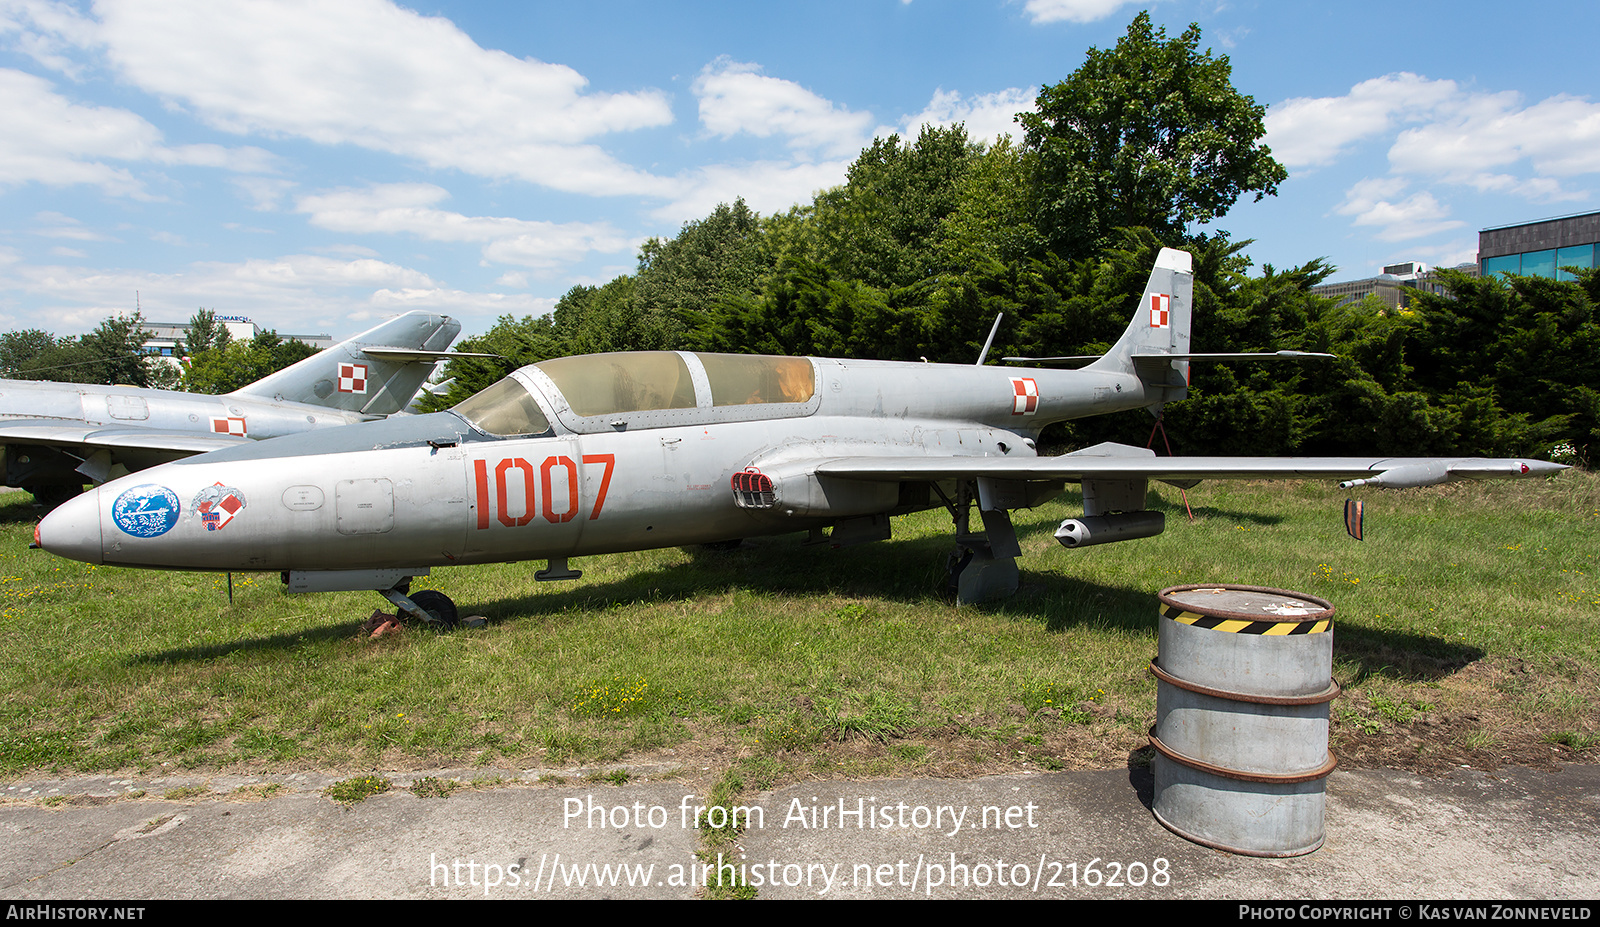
352,378
1160,311
1026,400
229,425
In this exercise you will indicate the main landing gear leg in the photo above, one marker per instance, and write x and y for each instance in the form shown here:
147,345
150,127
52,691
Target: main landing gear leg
983,566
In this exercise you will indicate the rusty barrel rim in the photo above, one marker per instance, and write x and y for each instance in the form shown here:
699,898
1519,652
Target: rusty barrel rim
1326,695
1293,778
1198,614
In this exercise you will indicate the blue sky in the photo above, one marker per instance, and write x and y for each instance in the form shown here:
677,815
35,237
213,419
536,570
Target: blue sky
319,165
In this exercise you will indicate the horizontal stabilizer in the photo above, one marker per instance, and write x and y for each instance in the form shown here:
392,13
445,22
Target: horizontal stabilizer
407,354
1253,355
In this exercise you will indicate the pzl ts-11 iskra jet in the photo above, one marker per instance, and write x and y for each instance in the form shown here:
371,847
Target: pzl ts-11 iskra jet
617,452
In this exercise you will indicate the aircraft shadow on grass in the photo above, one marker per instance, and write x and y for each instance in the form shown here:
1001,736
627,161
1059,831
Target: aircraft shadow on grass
902,571
899,571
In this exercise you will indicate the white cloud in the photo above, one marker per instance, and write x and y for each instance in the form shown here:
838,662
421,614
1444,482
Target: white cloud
767,187
986,116
736,98
1441,136
1557,138
1373,203
1316,131
47,32
293,293
1073,11
372,74
1455,136
55,225
408,209
264,194
459,303
49,139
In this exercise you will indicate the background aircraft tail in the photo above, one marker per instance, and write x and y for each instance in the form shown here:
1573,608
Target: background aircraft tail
1160,326
376,372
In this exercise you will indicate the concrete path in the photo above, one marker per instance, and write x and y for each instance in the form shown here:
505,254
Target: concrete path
1513,835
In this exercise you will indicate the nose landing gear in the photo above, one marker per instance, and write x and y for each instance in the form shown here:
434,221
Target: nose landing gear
430,606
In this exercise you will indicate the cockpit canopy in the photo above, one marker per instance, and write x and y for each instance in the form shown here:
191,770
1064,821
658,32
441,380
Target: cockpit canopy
639,382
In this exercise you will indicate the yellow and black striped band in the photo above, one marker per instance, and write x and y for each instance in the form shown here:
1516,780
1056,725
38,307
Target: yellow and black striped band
1246,626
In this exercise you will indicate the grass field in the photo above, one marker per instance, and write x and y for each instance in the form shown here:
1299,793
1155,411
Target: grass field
1466,634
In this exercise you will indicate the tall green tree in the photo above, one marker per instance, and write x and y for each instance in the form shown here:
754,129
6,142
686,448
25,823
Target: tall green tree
1151,134
20,351
205,333
882,227
718,257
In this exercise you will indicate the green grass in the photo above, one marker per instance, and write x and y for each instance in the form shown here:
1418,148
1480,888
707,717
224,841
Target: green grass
813,661
358,789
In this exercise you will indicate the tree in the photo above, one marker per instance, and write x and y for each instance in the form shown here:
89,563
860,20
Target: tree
111,354
1149,134
20,351
882,227
205,333
714,258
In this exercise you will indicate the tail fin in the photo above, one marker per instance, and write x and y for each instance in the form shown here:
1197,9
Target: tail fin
1160,326
376,372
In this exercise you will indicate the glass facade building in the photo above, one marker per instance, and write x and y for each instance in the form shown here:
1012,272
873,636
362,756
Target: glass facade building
1541,249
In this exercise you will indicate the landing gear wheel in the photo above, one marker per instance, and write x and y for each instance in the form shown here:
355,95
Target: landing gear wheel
959,559
438,606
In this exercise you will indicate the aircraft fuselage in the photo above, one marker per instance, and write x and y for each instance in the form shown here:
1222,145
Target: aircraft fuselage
432,490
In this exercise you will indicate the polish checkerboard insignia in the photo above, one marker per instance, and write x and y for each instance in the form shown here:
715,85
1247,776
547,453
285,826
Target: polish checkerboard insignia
352,378
1026,398
1160,310
229,425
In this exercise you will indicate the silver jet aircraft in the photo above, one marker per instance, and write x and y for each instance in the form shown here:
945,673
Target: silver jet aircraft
617,452
57,436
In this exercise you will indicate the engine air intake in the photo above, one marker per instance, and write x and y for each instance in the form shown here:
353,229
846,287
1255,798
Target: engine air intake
752,489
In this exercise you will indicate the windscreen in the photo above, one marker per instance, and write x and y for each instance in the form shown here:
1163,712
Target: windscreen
506,408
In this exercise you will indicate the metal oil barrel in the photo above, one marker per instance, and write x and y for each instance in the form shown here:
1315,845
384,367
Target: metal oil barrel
1243,681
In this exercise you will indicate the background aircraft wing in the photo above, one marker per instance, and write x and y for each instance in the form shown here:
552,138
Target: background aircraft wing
1118,461
59,433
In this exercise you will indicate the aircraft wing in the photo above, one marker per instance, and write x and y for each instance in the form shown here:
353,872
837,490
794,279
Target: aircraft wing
60,432
1119,461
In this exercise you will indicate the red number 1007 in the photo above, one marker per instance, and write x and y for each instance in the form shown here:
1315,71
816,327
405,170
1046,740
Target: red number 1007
540,489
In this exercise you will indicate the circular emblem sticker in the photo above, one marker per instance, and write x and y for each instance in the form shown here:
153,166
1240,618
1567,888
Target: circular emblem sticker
146,511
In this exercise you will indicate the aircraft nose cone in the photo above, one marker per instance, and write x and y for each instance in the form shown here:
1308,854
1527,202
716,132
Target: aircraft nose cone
73,529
